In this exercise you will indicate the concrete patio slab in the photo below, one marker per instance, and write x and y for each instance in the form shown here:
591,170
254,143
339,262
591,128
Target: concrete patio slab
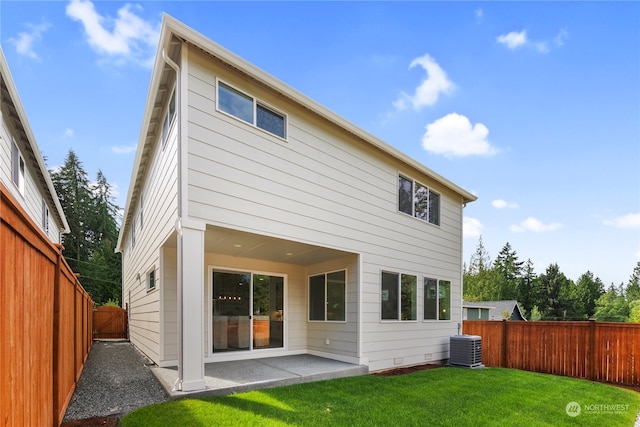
246,375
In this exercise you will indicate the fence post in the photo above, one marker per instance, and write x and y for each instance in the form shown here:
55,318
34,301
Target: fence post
592,351
56,336
504,343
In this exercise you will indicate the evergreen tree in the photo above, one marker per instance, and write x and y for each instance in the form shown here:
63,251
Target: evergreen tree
633,287
588,290
479,281
72,185
508,272
528,288
552,296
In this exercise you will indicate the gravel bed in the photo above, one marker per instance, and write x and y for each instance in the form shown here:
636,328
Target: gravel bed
115,380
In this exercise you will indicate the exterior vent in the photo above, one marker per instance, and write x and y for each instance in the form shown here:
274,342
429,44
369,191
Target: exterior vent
466,351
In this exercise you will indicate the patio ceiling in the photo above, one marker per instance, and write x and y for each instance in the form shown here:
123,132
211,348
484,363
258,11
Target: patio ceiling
236,243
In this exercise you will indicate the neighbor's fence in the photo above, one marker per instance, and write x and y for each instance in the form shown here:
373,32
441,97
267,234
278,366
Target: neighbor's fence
597,351
109,322
45,322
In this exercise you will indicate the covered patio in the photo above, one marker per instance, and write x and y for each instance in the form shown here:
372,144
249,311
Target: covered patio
254,374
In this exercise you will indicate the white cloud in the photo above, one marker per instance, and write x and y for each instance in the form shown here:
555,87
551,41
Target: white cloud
471,227
625,221
561,37
479,14
513,40
127,37
68,133
454,135
503,204
533,224
124,149
25,41
429,90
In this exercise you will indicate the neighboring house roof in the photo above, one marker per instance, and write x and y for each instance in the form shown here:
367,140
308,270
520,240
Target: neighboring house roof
32,155
173,32
496,308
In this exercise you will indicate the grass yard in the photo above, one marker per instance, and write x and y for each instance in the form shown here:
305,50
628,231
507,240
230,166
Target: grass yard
435,397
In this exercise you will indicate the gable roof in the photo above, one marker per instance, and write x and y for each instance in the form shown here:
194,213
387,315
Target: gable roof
172,34
496,308
33,156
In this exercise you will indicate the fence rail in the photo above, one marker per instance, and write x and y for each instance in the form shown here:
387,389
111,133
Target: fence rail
45,322
597,351
109,322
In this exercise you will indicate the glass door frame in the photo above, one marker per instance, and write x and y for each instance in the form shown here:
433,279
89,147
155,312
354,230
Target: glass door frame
252,273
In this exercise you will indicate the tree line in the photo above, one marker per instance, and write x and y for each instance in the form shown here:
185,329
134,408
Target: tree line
92,214
550,295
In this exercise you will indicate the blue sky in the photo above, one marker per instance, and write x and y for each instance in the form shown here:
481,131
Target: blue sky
534,107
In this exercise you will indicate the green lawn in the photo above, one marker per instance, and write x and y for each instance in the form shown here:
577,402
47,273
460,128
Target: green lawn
435,397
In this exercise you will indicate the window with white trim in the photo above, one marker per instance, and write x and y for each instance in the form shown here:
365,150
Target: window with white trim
17,168
249,109
168,117
45,217
437,299
151,279
327,297
398,296
418,200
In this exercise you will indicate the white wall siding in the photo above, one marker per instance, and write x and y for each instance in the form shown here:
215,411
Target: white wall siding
325,187
159,214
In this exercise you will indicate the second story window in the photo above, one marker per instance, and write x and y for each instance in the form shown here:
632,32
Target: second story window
45,217
418,200
250,110
17,168
168,118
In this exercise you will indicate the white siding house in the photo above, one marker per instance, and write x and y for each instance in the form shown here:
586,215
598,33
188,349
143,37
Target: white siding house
259,223
22,169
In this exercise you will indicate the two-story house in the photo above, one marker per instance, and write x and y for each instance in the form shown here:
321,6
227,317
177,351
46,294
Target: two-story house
259,223
22,169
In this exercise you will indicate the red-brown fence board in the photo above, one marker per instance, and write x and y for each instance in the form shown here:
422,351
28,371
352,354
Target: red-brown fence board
599,351
40,300
109,322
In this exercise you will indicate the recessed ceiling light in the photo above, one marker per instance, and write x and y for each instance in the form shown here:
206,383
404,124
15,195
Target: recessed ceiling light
237,245
289,253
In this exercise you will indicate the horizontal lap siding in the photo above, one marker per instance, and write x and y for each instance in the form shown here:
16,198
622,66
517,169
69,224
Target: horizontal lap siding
324,187
159,214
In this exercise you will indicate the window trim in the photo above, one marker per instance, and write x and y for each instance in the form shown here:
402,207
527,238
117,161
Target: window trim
430,190
325,298
151,277
18,168
399,318
168,118
45,217
424,299
256,102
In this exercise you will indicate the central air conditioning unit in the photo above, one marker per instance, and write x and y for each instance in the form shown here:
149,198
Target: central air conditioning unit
465,351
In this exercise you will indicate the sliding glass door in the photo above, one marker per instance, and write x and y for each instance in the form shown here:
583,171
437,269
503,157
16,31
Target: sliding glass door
248,311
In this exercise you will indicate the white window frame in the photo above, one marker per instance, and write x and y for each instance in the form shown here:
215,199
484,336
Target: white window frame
325,298
169,118
151,276
399,294
438,291
45,217
18,168
256,102
414,213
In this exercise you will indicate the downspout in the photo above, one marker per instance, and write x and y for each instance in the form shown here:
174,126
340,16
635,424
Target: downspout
178,225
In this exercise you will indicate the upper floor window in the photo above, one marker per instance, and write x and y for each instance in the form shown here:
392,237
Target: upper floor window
327,296
151,279
398,296
168,118
45,217
17,168
250,110
418,200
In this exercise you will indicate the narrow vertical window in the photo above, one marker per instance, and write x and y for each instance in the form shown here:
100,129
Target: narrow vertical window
18,168
45,217
430,299
151,279
398,298
444,300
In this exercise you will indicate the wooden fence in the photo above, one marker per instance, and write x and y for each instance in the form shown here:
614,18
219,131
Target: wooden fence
45,322
597,351
109,322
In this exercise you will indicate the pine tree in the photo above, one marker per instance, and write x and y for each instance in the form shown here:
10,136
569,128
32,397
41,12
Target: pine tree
508,271
528,288
551,300
588,290
633,287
